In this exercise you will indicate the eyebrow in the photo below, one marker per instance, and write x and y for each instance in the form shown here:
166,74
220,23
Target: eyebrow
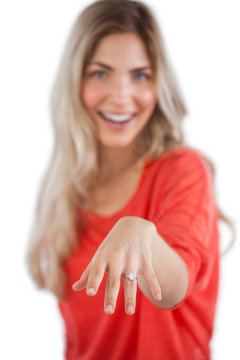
111,69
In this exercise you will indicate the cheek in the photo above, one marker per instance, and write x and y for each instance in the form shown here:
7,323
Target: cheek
147,98
91,95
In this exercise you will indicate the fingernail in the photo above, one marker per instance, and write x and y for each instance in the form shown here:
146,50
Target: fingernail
130,309
91,291
109,309
75,286
158,295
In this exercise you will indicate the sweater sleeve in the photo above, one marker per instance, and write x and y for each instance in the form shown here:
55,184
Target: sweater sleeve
186,215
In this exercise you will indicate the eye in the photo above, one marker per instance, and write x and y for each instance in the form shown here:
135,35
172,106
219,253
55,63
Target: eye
98,74
141,76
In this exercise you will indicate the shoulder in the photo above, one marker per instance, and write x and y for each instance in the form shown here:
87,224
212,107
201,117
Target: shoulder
180,175
182,155
181,161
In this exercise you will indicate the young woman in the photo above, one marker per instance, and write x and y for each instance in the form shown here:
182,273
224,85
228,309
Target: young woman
126,227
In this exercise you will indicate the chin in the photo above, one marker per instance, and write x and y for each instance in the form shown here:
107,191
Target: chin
117,145
110,143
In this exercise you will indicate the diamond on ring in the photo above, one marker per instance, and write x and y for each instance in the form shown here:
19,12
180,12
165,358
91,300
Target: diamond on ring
131,276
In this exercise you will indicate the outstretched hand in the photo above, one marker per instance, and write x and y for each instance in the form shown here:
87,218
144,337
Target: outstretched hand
126,249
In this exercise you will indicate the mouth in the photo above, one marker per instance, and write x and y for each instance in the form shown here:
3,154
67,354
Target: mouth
116,118
116,121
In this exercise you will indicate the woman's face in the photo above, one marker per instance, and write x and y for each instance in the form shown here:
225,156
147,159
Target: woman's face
119,90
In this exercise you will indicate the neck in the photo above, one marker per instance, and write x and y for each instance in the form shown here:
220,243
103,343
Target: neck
115,161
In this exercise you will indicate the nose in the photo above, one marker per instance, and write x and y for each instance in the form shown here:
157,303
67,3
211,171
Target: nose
121,91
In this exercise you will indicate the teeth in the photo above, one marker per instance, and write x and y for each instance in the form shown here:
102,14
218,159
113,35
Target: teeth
117,118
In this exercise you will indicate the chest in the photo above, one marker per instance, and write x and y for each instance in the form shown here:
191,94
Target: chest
110,197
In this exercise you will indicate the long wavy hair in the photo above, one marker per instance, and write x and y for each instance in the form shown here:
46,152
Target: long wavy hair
73,165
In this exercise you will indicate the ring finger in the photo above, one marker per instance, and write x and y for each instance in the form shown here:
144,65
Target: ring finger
130,290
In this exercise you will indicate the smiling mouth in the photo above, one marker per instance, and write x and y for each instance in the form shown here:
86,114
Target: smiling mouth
116,118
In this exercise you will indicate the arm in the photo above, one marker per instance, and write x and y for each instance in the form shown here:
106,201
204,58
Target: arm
133,245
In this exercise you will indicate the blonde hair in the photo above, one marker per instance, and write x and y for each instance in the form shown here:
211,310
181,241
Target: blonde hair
73,166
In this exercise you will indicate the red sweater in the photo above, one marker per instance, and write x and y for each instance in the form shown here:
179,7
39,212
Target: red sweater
175,193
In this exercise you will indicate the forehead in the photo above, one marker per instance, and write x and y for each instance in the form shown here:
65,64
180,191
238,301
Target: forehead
122,49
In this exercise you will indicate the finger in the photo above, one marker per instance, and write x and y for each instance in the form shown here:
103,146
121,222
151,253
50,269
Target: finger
130,290
82,282
153,284
111,291
130,286
95,278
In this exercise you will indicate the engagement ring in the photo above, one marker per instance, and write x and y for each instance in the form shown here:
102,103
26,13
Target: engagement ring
130,276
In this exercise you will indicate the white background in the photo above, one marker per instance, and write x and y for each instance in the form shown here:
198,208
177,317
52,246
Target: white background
202,38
